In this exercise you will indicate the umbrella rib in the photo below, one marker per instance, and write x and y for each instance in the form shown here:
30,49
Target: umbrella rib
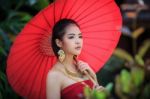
110,39
35,77
32,33
18,69
106,13
98,31
24,53
38,27
22,63
43,77
92,11
93,55
28,40
30,72
62,9
86,9
99,23
98,47
46,20
78,8
71,7
54,13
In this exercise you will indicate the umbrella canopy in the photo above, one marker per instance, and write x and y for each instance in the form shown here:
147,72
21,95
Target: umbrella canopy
31,55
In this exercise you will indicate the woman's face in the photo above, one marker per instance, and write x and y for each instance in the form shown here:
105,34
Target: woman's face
72,40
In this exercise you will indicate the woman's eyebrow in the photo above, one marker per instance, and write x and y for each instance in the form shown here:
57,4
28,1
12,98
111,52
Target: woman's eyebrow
71,34
74,34
80,34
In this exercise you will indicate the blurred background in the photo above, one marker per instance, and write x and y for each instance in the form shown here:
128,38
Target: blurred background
126,74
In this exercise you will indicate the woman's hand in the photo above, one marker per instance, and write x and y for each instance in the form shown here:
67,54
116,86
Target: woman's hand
83,66
99,88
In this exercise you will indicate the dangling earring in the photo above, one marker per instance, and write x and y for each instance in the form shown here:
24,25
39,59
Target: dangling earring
61,56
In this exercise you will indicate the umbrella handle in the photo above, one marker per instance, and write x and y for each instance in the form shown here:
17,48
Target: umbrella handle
87,74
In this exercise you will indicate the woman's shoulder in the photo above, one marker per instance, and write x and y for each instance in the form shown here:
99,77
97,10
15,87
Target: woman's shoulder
55,73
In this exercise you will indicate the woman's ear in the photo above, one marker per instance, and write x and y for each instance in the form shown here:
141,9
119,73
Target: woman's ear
58,42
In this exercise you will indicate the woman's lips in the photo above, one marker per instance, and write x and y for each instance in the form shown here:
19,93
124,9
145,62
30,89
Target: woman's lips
78,48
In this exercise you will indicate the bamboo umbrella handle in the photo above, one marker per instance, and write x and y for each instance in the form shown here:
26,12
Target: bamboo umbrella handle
94,82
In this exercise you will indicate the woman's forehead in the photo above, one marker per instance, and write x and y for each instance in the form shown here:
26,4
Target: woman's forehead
72,29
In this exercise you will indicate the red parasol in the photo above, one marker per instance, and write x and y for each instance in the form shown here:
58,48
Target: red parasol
31,55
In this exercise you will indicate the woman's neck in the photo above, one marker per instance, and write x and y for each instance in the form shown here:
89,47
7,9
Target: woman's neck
69,63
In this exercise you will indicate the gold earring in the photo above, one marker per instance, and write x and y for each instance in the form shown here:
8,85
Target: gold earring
61,54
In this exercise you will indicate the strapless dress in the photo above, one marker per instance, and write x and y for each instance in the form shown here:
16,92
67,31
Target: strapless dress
75,91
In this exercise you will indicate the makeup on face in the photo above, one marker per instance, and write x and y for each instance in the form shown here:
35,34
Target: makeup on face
72,35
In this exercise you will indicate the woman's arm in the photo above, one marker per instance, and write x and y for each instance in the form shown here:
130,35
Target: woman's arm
53,86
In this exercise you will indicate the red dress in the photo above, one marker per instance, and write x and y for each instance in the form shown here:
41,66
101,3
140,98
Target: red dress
75,91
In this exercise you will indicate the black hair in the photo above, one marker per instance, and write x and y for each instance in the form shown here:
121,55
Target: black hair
58,32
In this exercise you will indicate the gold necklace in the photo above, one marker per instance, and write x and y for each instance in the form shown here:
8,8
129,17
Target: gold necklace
72,73
71,77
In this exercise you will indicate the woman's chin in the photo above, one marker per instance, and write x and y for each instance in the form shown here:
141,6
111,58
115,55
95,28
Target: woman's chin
77,53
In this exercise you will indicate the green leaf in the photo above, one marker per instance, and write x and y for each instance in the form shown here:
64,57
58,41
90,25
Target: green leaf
123,55
144,48
139,60
146,91
87,92
109,87
3,77
137,75
7,42
2,51
125,81
99,95
19,3
41,4
138,32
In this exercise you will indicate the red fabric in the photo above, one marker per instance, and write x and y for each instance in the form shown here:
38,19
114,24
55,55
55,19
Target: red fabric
75,91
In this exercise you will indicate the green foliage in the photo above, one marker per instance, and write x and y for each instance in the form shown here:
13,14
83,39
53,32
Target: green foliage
129,71
128,83
99,95
109,87
125,80
95,94
137,75
15,14
145,93
144,48
123,55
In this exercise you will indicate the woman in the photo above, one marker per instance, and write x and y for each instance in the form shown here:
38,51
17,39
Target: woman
68,76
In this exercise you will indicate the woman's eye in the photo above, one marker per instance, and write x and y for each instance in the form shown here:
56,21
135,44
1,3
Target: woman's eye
71,37
80,36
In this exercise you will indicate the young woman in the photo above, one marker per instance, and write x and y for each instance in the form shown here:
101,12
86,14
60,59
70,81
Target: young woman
69,76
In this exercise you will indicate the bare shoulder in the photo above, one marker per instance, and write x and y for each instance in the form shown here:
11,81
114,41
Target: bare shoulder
53,84
55,74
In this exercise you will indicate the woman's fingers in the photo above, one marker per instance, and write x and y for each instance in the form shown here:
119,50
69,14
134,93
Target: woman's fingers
100,88
82,66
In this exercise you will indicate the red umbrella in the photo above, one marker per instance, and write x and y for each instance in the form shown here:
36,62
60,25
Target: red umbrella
31,55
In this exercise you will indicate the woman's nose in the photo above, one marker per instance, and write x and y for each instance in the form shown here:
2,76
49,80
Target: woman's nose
77,41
